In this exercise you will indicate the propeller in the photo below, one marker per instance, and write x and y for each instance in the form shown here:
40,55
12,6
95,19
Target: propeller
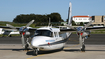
71,27
82,33
83,29
80,29
22,31
23,40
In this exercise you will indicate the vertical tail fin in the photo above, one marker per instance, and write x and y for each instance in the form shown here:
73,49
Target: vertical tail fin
69,20
69,15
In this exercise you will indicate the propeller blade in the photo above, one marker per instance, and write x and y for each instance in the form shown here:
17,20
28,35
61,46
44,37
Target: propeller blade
23,41
80,40
29,23
11,26
87,25
71,27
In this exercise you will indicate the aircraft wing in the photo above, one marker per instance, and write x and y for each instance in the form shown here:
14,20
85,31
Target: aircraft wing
95,28
70,30
6,27
88,28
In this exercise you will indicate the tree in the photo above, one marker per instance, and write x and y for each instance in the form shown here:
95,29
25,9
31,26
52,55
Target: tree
73,23
81,23
22,18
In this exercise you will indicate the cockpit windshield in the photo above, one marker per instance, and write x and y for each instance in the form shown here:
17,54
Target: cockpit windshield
43,33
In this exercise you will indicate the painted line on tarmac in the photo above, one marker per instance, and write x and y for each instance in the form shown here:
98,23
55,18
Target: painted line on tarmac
35,56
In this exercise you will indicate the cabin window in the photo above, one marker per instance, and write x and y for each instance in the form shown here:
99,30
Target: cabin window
56,34
43,33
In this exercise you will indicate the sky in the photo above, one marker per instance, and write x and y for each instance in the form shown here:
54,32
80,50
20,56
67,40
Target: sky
9,9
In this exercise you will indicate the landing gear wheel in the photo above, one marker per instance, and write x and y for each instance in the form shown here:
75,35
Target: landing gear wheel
35,52
83,48
26,47
10,36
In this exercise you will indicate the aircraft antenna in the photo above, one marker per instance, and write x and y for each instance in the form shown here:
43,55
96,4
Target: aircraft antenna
49,22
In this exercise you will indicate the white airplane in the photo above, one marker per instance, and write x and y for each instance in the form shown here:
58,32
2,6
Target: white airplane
49,38
8,32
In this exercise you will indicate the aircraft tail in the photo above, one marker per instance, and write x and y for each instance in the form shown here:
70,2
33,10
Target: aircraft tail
69,15
69,20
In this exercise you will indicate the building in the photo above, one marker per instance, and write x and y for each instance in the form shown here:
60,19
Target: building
79,19
98,20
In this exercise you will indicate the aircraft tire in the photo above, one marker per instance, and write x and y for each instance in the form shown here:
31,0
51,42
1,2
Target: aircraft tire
35,52
83,48
10,36
26,47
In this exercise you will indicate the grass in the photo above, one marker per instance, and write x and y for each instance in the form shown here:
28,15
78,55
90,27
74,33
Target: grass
98,32
12,35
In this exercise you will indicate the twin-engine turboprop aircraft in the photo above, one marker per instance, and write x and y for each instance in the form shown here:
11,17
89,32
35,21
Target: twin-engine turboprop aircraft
49,38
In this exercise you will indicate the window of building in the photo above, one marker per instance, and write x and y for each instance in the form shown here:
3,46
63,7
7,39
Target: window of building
80,19
84,19
104,18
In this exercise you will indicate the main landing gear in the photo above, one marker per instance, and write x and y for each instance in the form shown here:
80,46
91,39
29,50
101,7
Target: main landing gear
83,48
82,45
27,44
26,47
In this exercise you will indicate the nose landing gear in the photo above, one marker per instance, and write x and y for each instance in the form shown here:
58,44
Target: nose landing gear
35,51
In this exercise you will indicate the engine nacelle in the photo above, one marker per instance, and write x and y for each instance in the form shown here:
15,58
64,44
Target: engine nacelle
86,34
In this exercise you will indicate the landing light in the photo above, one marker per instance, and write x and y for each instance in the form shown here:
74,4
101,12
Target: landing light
48,43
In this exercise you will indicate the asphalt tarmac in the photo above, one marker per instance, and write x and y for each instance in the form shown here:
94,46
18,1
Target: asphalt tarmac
11,48
15,51
94,39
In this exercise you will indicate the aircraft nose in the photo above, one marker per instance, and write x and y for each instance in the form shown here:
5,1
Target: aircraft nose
34,44
38,40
